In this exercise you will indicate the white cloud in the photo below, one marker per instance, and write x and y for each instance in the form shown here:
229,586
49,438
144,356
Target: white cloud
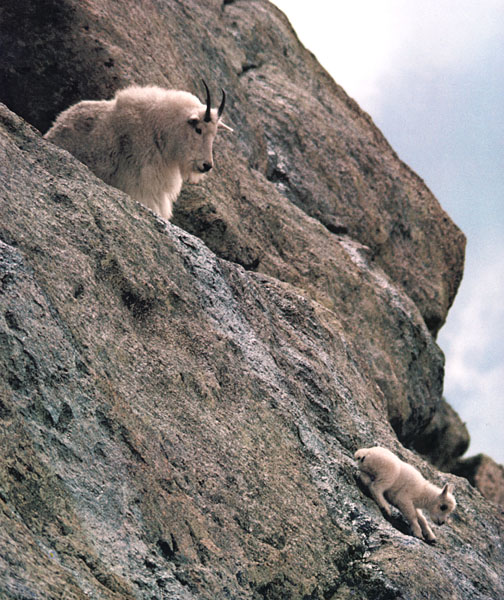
478,311
353,40
474,346
363,41
447,34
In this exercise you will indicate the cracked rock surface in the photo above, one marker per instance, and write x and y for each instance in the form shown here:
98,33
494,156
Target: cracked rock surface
180,402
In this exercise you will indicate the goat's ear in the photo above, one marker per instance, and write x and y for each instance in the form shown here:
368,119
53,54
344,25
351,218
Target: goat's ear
448,489
224,126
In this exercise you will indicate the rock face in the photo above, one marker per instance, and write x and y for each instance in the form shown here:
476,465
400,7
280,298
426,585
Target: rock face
181,402
444,439
485,474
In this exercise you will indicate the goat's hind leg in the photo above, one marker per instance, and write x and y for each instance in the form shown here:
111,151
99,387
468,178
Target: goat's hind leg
377,488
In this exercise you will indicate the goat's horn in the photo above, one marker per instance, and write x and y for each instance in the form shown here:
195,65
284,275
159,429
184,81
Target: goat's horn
222,104
207,117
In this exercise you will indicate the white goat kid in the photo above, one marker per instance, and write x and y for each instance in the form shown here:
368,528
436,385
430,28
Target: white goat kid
146,141
384,473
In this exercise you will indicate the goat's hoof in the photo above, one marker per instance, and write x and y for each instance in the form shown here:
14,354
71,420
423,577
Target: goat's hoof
431,541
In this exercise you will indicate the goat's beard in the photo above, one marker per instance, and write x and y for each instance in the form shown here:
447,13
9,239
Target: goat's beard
191,173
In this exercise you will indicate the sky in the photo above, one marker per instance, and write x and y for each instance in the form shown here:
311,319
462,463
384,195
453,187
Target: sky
431,75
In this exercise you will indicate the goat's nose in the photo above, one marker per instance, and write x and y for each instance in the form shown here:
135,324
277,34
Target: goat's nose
207,167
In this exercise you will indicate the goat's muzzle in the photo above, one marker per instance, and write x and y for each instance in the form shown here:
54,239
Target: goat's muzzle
205,168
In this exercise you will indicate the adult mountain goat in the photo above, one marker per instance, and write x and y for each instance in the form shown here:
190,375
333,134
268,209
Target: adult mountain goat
146,141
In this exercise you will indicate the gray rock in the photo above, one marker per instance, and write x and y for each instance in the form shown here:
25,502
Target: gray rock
179,413
484,474
305,191
295,127
444,440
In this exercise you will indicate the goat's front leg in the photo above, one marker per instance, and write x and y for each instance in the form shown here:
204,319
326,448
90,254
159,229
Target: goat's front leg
409,511
426,530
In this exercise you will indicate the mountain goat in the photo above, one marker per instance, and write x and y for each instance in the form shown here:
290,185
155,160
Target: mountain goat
146,141
383,472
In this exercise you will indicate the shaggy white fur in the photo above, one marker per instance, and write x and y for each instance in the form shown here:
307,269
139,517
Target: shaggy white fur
384,473
146,141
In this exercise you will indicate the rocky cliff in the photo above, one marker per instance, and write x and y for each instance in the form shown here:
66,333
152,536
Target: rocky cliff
180,402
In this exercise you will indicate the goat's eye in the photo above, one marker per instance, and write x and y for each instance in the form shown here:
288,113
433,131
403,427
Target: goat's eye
194,124
443,507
